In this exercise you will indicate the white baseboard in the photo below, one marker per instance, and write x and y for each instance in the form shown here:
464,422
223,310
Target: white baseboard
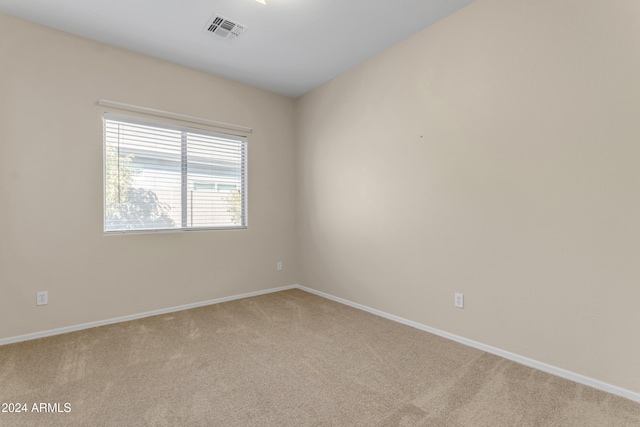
59,331
563,373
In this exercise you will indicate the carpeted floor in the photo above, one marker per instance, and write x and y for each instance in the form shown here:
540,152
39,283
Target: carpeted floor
284,359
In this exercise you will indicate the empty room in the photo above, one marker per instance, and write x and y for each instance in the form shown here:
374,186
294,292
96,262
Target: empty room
319,213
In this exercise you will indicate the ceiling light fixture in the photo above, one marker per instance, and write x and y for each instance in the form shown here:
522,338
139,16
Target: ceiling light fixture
261,1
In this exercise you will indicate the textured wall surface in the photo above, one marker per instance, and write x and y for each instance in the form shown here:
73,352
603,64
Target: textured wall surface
51,186
495,154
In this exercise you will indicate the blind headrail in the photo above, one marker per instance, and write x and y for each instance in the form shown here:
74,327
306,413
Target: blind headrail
176,116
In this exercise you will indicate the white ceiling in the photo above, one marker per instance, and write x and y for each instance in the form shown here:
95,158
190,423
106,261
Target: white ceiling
290,46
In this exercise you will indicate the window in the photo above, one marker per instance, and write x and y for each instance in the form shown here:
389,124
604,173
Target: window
165,177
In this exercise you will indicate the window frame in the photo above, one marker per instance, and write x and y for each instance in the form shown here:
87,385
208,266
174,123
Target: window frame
176,125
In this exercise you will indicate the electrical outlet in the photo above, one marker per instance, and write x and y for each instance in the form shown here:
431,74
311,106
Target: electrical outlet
459,300
42,298
279,265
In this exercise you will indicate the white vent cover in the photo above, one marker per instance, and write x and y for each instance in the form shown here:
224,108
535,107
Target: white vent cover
224,27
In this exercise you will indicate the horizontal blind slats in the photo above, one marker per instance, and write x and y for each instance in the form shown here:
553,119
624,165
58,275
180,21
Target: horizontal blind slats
144,168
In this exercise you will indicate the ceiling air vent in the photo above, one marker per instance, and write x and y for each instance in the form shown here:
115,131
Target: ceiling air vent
224,27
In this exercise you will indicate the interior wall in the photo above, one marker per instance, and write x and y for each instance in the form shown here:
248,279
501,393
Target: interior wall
51,186
495,154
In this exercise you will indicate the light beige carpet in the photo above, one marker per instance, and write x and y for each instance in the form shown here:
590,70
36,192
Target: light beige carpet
285,359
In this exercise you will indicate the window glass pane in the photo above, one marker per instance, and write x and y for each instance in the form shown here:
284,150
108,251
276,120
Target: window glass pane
219,161
162,178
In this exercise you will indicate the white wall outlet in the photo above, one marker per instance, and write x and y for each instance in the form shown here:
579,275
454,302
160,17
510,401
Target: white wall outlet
42,298
279,265
459,300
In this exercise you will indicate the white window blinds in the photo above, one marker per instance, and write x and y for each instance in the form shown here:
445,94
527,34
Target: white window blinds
163,177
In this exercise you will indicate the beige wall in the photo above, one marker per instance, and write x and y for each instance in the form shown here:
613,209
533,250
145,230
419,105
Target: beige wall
494,154
51,186
497,154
